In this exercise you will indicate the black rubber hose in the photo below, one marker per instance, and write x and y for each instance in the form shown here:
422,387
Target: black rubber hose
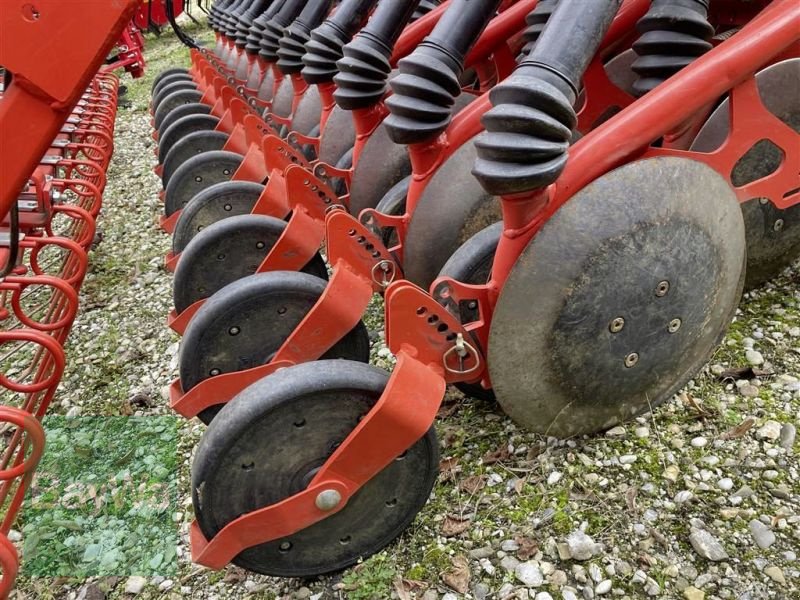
327,41
530,126
364,67
274,28
291,47
428,83
674,34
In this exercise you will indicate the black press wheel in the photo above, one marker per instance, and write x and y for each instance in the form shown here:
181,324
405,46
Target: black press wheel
192,145
266,445
220,201
226,251
198,173
245,323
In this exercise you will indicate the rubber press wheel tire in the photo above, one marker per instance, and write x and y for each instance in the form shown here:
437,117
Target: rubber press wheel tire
166,73
227,251
180,129
195,108
190,146
245,324
198,173
169,80
175,86
220,201
172,101
265,446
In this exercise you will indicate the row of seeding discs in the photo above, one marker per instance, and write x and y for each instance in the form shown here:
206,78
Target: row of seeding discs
560,206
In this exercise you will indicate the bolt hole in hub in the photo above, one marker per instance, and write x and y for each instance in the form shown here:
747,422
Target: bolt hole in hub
259,428
646,293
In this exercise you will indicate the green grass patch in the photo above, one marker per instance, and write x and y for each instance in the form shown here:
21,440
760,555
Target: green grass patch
103,499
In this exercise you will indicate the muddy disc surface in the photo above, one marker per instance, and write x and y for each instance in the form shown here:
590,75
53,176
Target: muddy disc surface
225,251
220,201
198,173
381,165
181,128
189,146
452,209
619,299
172,101
773,235
339,136
244,324
308,112
266,445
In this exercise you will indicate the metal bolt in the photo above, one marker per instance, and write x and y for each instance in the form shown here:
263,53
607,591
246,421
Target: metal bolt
472,305
674,325
763,200
234,330
631,360
260,245
662,288
214,372
328,500
228,207
778,225
616,325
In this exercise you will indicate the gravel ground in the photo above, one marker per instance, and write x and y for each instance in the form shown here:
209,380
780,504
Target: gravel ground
699,499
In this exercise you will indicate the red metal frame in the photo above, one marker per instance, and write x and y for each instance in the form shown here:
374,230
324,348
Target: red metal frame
48,75
57,123
130,48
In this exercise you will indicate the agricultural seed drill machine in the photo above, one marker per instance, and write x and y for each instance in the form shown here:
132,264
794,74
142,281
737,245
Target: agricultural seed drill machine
559,202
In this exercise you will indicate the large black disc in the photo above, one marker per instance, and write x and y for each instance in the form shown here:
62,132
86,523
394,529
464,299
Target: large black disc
381,165
773,235
245,323
174,100
220,201
225,251
308,112
198,173
282,103
453,208
619,299
174,86
166,73
184,110
339,136
193,144
181,128
266,444
472,264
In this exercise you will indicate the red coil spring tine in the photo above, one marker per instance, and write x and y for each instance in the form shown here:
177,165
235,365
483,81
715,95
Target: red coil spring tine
49,358
9,565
